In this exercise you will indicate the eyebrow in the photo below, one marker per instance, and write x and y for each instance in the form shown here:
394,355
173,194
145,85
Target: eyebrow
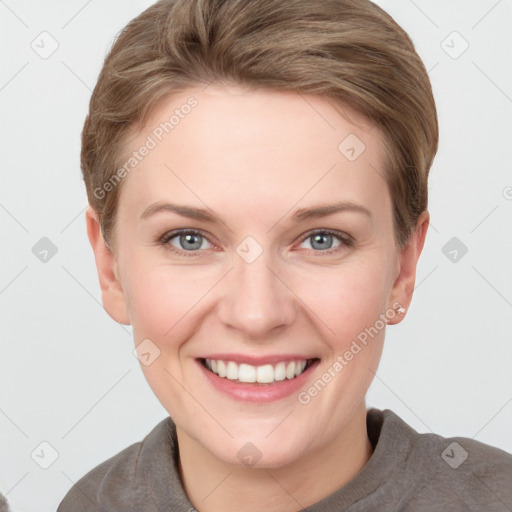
329,209
184,211
300,215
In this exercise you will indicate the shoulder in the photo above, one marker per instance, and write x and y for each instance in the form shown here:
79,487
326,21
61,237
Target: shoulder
457,473
479,475
115,481
83,496
4,507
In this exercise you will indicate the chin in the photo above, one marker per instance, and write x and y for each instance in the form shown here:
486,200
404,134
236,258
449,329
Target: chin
260,452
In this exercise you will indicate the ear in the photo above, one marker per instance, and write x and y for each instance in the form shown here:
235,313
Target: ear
403,288
112,292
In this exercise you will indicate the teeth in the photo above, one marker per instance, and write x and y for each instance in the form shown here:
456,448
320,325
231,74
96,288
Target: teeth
232,371
280,371
299,367
290,370
221,368
246,373
265,374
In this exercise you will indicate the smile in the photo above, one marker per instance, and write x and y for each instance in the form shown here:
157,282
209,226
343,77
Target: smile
264,374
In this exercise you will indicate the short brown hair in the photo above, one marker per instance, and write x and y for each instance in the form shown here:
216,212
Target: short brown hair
349,51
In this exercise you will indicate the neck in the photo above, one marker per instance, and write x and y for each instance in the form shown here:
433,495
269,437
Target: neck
212,485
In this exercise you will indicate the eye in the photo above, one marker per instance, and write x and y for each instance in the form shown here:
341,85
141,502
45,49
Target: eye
189,241
327,241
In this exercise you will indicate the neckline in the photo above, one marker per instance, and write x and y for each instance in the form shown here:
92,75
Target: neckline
389,436
391,441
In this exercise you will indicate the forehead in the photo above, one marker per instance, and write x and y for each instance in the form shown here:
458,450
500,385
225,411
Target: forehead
271,147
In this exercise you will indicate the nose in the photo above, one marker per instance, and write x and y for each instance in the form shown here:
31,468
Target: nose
256,299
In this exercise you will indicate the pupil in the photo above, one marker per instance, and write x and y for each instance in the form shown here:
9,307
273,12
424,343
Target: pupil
189,239
322,239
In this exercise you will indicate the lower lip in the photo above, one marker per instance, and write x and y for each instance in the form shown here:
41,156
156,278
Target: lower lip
254,392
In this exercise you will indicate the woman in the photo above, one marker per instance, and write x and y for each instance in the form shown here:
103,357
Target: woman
257,178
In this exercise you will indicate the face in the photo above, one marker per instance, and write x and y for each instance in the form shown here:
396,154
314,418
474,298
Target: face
257,234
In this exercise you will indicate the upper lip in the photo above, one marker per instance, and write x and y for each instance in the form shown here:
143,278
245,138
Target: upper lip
257,360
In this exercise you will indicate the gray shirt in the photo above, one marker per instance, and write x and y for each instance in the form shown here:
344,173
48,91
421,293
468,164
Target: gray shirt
407,472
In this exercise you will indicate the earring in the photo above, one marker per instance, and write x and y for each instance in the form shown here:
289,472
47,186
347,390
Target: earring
400,311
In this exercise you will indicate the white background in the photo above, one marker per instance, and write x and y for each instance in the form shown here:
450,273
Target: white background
68,376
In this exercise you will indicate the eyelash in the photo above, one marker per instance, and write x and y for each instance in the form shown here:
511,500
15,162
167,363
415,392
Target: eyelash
346,241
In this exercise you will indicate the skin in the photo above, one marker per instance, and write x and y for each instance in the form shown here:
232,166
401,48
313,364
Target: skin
253,158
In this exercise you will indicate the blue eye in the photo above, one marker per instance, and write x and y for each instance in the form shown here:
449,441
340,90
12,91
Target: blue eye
191,242
323,241
186,240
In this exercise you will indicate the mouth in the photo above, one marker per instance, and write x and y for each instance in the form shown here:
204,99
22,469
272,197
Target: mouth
258,375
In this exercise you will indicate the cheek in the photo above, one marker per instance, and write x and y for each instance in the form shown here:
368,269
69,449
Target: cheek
346,300
164,301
